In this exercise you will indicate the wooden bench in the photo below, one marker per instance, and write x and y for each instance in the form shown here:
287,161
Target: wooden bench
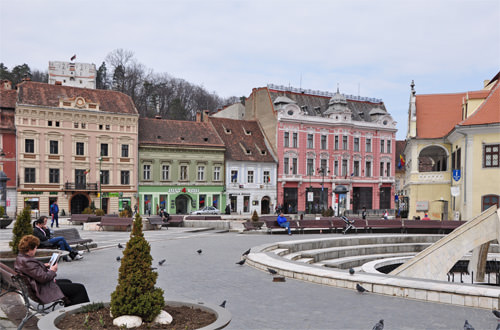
11,281
175,220
124,223
441,227
384,224
316,224
273,224
78,219
203,217
338,223
72,236
157,221
252,225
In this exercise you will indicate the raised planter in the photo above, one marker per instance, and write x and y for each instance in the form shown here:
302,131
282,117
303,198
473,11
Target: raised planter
223,317
43,255
5,222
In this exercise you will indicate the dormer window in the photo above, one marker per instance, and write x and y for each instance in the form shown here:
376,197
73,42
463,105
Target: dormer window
182,138
249,152
205,139
263,152
227,130
247,132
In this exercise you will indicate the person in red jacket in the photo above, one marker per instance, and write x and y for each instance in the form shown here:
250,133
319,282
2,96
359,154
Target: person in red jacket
426,217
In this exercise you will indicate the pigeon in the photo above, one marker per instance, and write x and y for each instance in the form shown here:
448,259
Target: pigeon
496,313
246,252
118,258
199,251
120,246
360,288
272,271
161,262
351,271
223,305
468,326
379,325
241,262
154,268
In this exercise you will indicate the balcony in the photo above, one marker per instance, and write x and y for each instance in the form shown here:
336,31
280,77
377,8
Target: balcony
72,186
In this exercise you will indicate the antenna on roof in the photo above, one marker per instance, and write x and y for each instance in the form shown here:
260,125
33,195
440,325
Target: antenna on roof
300,85
359,87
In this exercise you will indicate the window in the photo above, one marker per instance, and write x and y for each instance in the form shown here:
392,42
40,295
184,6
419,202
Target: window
388,169
355,169
80,149
217,173
100,126
491,154
368,145
368,169
146,172
266,177
344,142
310,166
344,167
324,165
310,141
29,175
165,172
201,173
294,140
125,150
234,176
286,165
49,123
489,201
57,124
104,177
83,125
124,177
104,149
356,144
381,169
336,142
184,173
75,125
250,177
286,139
107,127
29,146
53,175
381,146
388,146
294,165
336,168
54,147
323,142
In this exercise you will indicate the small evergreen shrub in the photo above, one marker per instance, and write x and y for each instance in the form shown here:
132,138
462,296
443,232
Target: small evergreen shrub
87,210
22,227
255,216
92,206
99,212
129,211
2,211
136,293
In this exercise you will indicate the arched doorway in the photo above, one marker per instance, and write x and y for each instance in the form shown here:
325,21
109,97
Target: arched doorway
433,159
78,203
264,205
182,204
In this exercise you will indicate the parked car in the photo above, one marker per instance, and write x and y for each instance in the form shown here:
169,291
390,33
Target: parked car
207,210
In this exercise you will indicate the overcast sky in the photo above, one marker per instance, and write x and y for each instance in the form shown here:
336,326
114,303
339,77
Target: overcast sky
371,48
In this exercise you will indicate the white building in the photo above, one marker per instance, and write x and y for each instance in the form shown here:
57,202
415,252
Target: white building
72,74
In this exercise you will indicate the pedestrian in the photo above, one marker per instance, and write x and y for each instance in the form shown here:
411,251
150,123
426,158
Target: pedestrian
135,209
290,209
426,217
283,222
54,210
228,209
43,234
363,213
386,215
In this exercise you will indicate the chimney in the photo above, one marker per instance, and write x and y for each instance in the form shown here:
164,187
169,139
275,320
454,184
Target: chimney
205,116
6,84
157,117
198,116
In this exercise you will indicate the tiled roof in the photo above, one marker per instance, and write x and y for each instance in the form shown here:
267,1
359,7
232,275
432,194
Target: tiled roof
177,133
437,114
243,139
488,112
35,93
316,105
8,98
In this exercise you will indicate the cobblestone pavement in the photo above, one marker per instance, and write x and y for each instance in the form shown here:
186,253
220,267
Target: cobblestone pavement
254,300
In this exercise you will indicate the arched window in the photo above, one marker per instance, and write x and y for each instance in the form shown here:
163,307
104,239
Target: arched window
432,159
488,201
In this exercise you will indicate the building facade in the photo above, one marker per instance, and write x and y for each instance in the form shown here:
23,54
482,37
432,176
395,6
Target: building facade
75,146
181,166
251,168
81,75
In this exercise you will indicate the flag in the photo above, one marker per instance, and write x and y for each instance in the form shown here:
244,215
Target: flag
268,179
86,171
401,162
352,174
73,57
234,176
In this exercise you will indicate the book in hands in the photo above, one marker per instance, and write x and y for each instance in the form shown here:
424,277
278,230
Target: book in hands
54,259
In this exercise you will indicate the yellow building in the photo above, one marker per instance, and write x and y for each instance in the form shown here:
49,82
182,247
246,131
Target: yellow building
452,153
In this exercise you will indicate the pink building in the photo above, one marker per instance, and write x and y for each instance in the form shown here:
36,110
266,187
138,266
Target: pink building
334,151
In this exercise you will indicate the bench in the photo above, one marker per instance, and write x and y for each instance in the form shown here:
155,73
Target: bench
157,222
273,224
72,236
441,227
78,219
10,281
338,223
316,224
384,224
175,220
203,217
112,221
252,225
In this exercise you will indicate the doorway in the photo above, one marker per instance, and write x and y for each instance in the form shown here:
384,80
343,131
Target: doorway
79,202
181,204
264,205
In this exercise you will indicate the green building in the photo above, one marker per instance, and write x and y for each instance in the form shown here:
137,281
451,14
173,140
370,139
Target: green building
181,166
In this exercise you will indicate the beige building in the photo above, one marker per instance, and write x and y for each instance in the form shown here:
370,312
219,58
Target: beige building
76,146
452,153
81,75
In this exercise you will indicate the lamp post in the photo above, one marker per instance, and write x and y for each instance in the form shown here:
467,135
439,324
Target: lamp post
310,202
100,183
323,172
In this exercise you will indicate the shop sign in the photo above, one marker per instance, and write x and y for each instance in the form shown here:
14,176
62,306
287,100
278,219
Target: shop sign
184,190
422,206
32,192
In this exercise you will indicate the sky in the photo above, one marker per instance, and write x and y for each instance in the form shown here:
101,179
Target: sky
367,48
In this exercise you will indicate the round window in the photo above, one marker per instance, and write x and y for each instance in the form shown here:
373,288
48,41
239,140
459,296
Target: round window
290,112
385,122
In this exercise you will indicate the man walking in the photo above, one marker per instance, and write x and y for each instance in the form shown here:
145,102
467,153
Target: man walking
54,210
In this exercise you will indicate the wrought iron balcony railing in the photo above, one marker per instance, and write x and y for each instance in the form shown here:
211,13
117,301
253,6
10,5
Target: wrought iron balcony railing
81,186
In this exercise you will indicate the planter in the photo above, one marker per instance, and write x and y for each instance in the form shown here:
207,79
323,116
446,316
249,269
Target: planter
5,222
7,257
223,317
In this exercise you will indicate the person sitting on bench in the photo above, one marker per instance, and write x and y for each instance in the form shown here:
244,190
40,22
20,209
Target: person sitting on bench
42,232
283,222
42,276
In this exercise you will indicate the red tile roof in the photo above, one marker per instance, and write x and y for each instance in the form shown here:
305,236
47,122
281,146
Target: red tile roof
35,93
8,98
437,114
240,136
488,112
177,133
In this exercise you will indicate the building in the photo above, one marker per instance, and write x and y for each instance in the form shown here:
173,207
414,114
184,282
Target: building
81,75
181,166
333,150
76,146
8,97
452,152
251,168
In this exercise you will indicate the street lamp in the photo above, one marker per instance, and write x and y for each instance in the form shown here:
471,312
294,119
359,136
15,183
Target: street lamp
322,171
310,202
100,183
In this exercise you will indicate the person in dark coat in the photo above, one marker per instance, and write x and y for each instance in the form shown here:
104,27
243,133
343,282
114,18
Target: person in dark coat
41,231
42,276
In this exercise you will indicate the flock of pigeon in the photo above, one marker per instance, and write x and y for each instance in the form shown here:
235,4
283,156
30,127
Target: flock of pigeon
378,326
